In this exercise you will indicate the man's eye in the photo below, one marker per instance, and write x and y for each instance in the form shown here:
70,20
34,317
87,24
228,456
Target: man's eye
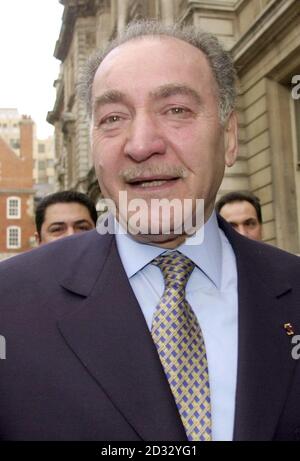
83,228
251,223
110,120
54,230
180,112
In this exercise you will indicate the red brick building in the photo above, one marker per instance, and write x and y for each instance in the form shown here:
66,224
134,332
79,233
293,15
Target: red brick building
16,193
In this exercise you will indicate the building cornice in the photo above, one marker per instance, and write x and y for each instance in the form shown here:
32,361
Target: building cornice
277,15
72,10
54,115
65,35
67,121
5,191
208,5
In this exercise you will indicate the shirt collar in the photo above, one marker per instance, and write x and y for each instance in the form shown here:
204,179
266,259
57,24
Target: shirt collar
207,255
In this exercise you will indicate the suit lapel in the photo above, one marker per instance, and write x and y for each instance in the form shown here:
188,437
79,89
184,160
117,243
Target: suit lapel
110,337
265,364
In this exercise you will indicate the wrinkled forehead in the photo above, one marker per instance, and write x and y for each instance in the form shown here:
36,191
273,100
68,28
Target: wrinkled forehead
157,55
161,43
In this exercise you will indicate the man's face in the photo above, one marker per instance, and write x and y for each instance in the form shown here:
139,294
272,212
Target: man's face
156,132
64,219
243,218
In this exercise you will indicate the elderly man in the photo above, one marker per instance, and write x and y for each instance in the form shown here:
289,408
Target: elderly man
154,335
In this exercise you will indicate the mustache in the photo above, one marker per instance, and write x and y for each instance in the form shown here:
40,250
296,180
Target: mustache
128,174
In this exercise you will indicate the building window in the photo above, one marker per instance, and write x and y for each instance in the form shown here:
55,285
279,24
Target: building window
13,210
14,143
13,237
41,148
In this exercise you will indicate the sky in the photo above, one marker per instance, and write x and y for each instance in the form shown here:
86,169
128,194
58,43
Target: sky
28,33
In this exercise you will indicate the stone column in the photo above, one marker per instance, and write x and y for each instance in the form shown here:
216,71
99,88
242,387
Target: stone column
84,36
167,11
122,14
283,177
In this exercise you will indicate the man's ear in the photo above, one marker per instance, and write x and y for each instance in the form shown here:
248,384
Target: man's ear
231,139
37,238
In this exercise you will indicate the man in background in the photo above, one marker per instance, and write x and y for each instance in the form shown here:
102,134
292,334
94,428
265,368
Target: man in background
243,211
62,214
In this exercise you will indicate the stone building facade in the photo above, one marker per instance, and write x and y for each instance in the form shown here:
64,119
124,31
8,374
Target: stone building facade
264,38
43,167
10,128
16,191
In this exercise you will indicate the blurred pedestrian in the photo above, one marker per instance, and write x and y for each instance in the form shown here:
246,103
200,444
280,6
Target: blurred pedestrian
62,214
242,210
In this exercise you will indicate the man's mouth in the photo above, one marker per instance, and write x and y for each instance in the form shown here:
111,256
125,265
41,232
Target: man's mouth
151,181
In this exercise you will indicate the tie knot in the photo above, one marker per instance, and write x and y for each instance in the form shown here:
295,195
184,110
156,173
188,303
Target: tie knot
176,268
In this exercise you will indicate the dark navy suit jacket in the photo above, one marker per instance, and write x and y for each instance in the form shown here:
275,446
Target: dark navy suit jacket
81,365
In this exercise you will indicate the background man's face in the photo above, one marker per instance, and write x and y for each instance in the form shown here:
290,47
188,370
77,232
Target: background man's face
243,218
64,219
155,129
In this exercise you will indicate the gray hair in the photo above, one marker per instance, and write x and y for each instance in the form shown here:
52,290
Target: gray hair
219,60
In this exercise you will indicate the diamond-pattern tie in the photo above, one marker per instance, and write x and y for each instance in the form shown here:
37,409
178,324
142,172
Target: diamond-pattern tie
180,345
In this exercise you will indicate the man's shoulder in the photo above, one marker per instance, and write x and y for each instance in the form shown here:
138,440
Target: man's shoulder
266,250
55,256
267,263
262,260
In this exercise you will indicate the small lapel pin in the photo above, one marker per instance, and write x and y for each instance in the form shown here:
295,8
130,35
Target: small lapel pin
289,329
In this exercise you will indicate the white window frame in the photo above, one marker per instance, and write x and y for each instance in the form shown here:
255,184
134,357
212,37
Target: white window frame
10,246
8,208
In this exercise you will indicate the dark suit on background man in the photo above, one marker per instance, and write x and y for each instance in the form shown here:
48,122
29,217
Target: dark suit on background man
81,363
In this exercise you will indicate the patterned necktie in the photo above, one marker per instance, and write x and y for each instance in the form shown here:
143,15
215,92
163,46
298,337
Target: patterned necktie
180,345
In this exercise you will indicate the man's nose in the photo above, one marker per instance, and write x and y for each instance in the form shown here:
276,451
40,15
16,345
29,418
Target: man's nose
242,230
69,231
144,138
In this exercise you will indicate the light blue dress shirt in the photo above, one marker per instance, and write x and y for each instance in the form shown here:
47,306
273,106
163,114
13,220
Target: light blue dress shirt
212,293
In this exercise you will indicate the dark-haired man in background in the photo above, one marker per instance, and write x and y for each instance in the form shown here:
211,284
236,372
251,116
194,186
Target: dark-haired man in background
63,214
242,210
